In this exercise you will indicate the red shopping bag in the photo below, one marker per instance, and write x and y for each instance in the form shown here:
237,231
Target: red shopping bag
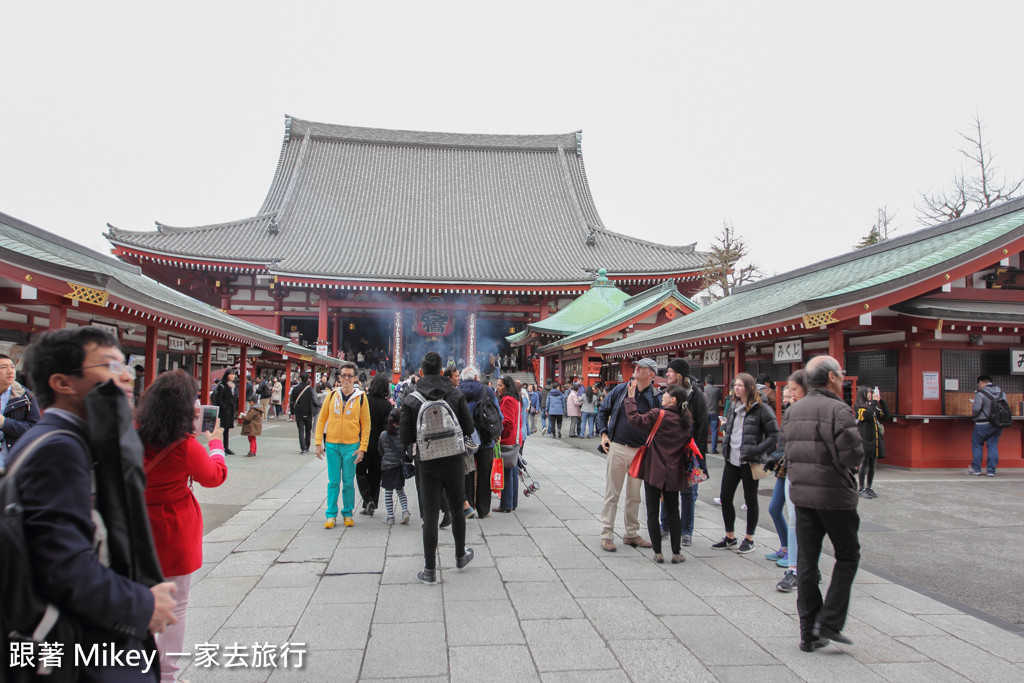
638,459
497,475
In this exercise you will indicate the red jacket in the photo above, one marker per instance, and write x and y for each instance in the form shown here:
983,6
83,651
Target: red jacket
174,514
511,421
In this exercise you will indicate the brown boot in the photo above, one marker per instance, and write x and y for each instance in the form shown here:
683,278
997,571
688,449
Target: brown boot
608,545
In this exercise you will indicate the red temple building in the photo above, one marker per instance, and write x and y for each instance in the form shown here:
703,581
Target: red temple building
921,317
391,243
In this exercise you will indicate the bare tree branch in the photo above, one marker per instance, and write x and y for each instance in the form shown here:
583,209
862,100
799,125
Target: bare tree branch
722,270
981,188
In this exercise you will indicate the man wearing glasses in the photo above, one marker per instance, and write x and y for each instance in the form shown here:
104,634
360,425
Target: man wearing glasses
345,415
55,484
823,446
18,408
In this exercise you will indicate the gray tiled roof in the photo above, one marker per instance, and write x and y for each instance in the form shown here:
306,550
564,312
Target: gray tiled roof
853,277
383,205
47,253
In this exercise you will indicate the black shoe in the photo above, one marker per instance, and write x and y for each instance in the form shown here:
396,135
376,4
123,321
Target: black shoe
228,451
466,558
812,645
746,546
446,521
428,576
788,584
725,543
871,492
371,507
863,493
820,631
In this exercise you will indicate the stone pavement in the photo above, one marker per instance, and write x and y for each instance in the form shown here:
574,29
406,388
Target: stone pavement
541,601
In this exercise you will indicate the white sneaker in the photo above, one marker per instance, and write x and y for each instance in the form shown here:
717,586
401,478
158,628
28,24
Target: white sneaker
718,501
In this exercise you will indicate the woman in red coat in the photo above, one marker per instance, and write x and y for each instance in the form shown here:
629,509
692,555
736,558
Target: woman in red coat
511,442
666,463
166,424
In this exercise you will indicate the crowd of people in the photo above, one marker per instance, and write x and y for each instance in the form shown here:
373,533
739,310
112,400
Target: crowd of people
444,429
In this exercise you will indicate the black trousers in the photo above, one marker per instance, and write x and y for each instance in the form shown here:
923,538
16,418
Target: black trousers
439,478
368,479
555,425
479,495
305,425
227,433
731,478
812,525
417,479
675,527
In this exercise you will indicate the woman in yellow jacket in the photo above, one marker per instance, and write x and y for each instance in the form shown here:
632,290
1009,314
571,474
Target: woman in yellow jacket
345,417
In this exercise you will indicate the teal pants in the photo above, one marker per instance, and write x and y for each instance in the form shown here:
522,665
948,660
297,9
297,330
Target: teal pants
341,472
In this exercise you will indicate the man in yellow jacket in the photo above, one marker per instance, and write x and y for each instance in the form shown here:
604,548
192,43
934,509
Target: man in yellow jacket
345,415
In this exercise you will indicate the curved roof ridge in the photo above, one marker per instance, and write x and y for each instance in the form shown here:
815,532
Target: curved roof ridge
163,227
413,138
280,166
569,189
296,174
682,248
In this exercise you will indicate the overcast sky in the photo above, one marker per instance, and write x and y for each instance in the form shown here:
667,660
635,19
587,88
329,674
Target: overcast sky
794,121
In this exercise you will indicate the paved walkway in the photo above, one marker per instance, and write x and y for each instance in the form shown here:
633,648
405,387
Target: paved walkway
541,601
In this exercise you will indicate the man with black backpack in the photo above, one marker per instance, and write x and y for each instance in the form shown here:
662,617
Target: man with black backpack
483,406
436,419
101,591
991,414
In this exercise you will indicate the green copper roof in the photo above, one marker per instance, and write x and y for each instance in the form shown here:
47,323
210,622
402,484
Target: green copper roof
630,308
601,299
855,276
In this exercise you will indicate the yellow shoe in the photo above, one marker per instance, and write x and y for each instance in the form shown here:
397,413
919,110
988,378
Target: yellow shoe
329,524
349,522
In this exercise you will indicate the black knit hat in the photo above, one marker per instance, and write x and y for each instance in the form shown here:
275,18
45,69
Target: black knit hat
680,366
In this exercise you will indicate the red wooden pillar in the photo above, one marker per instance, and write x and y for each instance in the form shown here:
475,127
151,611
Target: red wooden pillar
321,333
151,359
836,344
739,362
58,317
204,382
243,387
335,349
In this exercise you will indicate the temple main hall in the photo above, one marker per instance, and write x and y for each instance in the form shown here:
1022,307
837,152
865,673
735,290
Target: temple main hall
390,243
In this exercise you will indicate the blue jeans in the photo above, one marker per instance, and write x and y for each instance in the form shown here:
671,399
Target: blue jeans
510,494
713,427
587,430
775,506
791,509
985,433
687,507
341,471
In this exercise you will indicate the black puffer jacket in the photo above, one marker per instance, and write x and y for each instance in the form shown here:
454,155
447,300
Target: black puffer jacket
760,434
823,446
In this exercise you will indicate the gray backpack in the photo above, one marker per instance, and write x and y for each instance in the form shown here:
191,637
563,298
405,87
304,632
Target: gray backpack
438,433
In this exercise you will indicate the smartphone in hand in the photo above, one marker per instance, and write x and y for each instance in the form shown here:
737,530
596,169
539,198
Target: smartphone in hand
209,418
